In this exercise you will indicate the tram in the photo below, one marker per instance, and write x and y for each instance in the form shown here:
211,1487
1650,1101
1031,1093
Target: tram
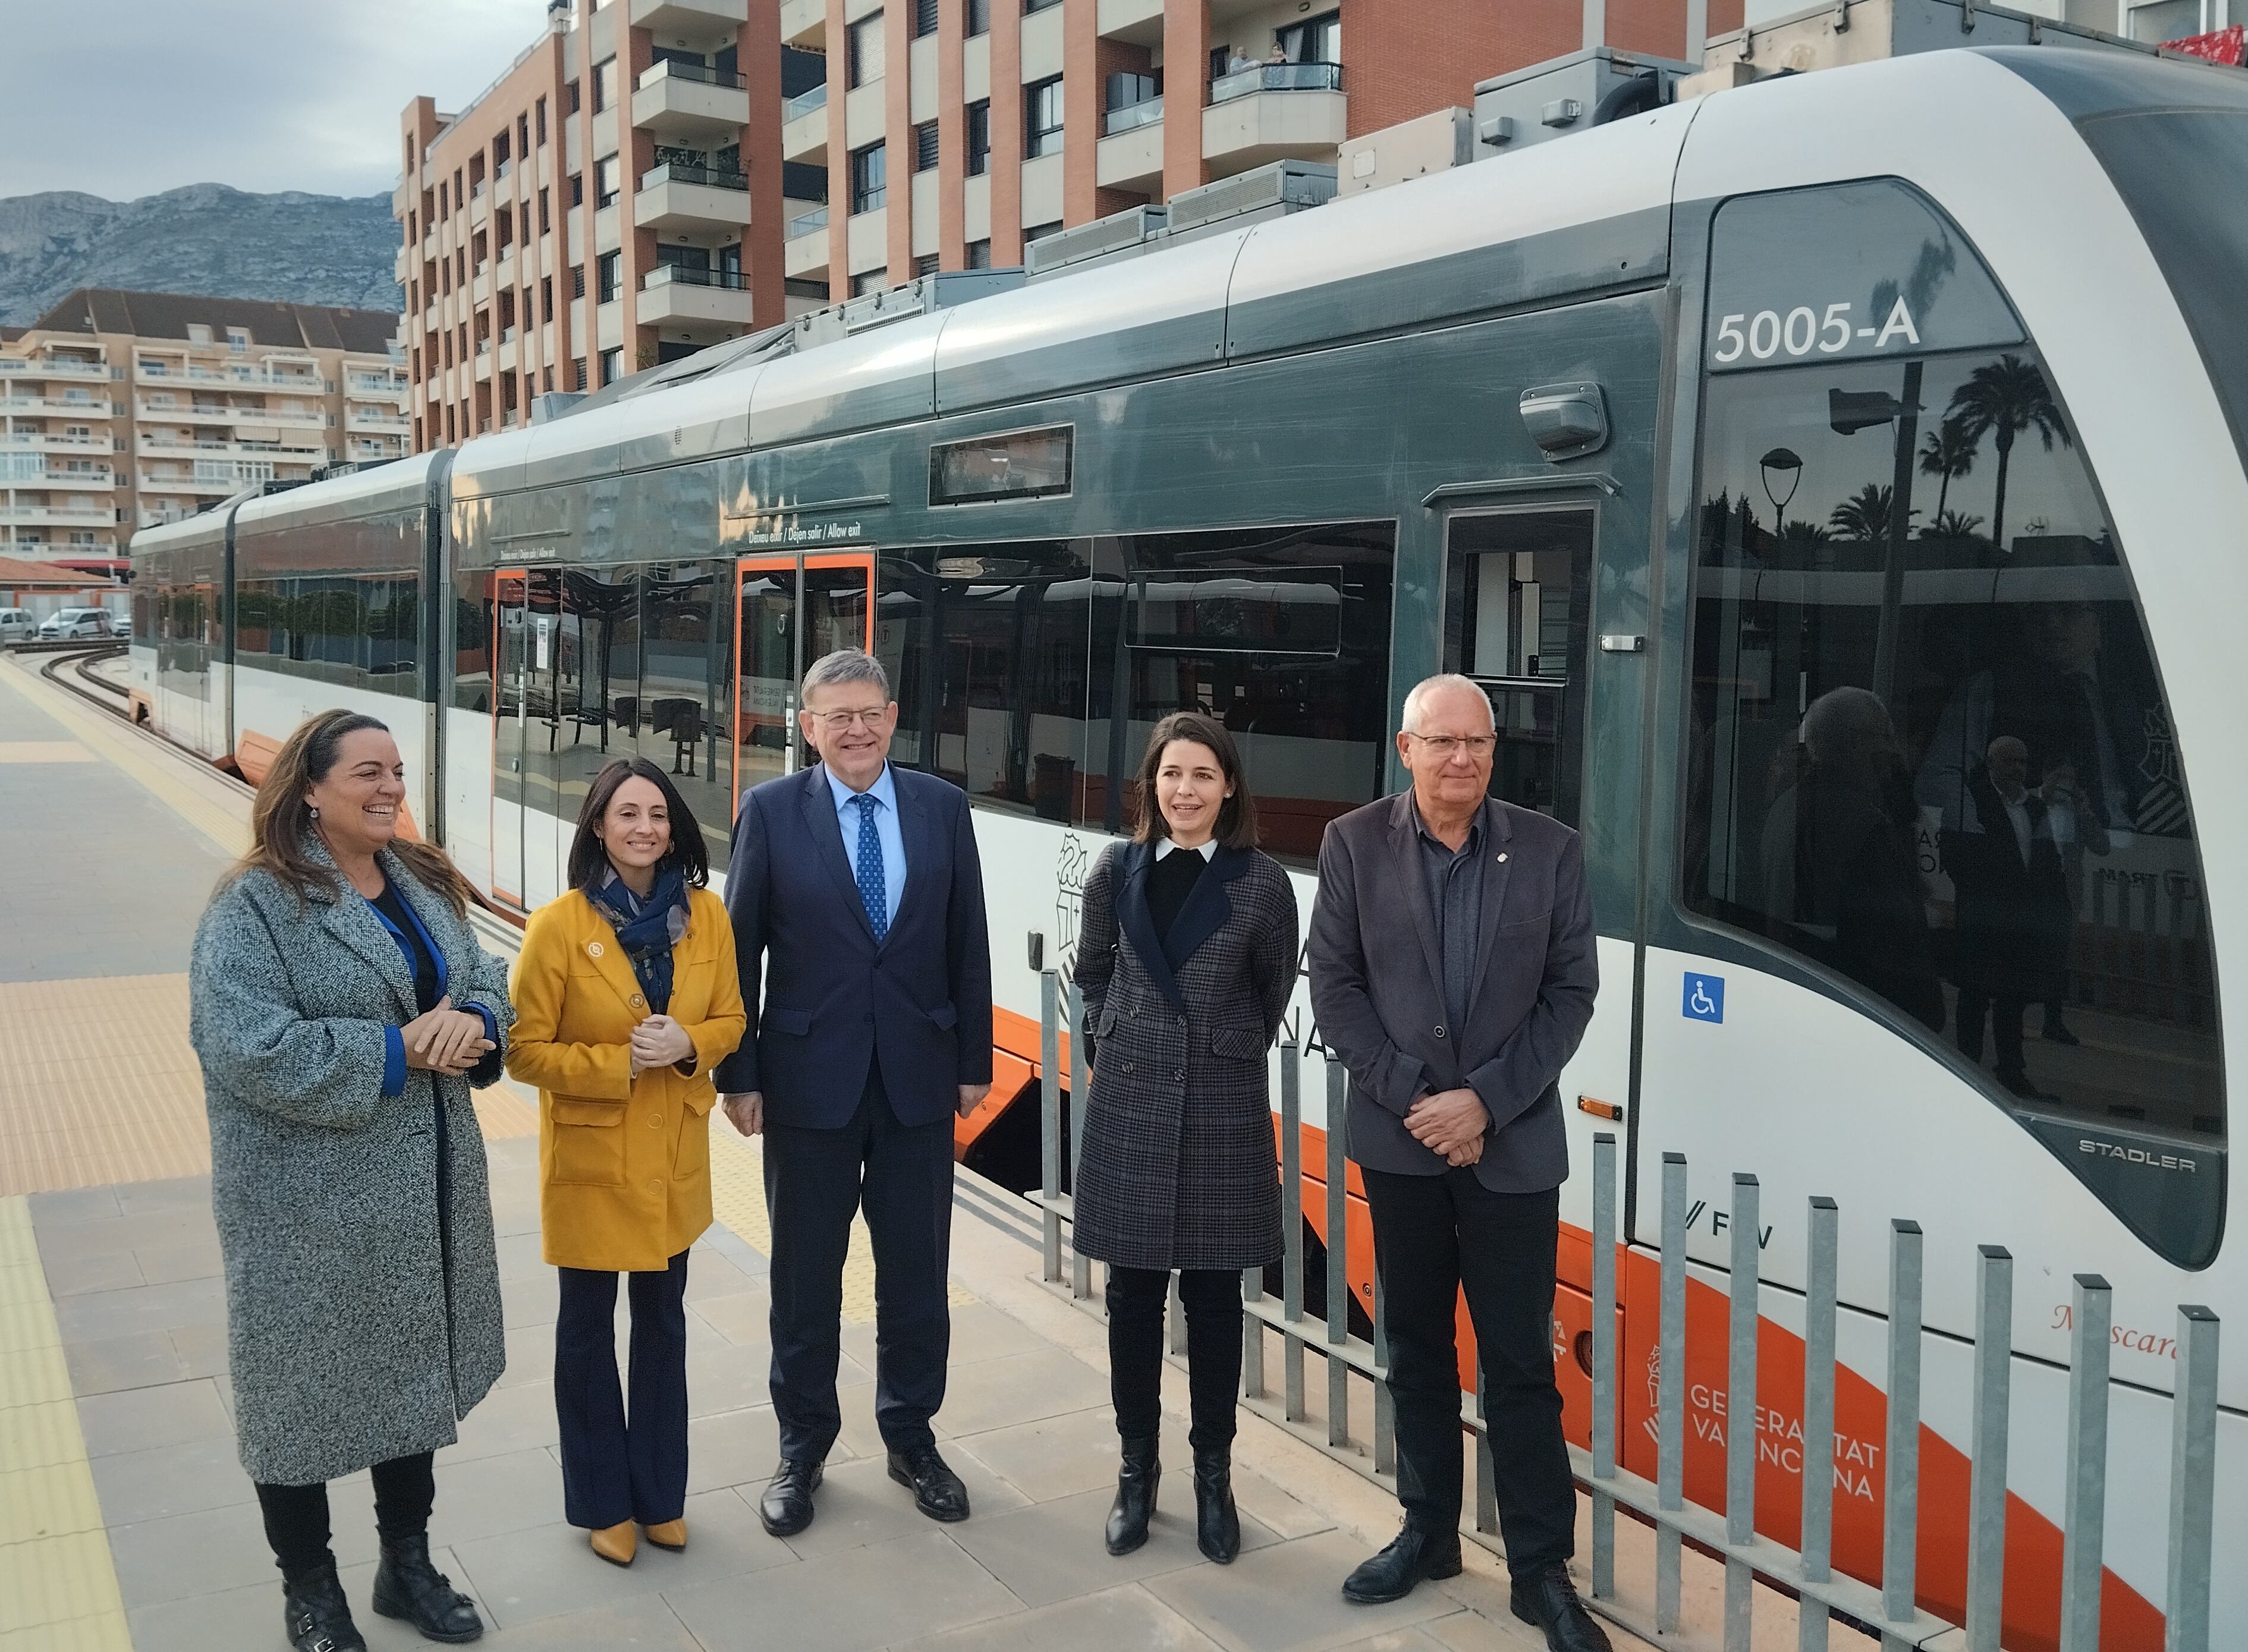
1772,458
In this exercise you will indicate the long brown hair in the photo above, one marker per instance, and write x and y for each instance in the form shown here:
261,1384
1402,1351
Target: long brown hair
589,856
280,819
1237,817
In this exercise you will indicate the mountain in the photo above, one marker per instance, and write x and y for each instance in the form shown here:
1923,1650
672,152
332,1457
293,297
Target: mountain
205,240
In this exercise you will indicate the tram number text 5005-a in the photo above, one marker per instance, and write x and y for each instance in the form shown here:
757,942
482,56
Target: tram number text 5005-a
1803,331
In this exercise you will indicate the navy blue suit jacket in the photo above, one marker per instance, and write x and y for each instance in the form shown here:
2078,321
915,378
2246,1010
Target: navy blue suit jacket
834,1002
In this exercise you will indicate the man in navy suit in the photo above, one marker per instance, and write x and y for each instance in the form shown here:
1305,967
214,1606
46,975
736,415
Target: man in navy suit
858,905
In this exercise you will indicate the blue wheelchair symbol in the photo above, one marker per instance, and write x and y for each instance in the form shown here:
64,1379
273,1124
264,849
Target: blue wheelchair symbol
1703,998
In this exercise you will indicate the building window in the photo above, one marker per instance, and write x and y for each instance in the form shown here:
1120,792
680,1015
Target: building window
612,366
608,179
925,265
572,98
545,223
870,281
1042,119
979,138
577,280
199,333
522,134
1041,231
979,255
578,373
538,120
1029,6
979,17
925,146
925,15
605,84
1313,40
870,171
577,189
865,49
546,298
608,278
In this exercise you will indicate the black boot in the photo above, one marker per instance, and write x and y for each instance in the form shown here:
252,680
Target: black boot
315,1615
407,1586
1217,1526
1135,1495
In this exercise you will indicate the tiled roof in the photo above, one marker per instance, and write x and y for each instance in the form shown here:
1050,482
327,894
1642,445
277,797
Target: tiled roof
14,571
166,315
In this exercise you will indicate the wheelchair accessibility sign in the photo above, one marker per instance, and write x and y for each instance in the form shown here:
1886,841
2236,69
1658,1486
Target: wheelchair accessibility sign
1703,999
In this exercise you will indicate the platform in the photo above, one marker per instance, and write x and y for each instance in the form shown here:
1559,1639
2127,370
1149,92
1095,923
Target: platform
126,1521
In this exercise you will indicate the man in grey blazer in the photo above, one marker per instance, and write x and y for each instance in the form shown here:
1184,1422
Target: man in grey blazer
1453,974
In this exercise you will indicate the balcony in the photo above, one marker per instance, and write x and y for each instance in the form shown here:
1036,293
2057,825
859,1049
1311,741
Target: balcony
54,441
680,197
688,16
1274,112
362,384
56,406
1130,156
54,479
805,256
50,368
803,127
368,418
44,516
803,24
674,294
686,103
1140,22
204,448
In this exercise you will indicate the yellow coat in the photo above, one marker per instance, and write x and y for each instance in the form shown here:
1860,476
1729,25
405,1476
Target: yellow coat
624,1164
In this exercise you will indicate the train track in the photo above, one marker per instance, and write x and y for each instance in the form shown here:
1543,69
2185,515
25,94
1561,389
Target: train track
73,671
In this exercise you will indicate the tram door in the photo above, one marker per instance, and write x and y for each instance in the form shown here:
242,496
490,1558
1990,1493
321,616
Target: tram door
793,609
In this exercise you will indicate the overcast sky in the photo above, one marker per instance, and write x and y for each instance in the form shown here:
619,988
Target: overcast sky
125,98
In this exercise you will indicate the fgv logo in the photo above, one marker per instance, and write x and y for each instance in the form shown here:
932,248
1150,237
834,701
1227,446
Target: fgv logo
1703,998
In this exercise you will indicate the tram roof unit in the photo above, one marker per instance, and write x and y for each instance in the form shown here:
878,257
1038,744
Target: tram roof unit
397,485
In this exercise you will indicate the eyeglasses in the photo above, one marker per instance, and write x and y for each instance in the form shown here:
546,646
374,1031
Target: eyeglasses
843,722
1441,746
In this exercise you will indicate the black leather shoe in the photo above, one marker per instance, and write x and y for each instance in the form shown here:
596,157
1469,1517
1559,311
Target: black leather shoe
407,1586
1548,1600
1135,1495
936,1489
787,1506
315,1615
1413,1555
1217,1526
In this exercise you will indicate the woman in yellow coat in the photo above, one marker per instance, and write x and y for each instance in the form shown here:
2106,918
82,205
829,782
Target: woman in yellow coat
627,997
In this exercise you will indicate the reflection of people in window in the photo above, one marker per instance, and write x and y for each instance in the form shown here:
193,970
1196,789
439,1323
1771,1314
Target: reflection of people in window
1840,880
2014,916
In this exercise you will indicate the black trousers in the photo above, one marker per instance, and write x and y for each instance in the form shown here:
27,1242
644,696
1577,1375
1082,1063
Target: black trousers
1434,1235
1137,1297
815,1180
2005,1015
616,1468
297,1516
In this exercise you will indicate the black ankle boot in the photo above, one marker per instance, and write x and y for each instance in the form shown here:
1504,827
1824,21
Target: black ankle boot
315,1615
407,1586
1135,1495
1217,1526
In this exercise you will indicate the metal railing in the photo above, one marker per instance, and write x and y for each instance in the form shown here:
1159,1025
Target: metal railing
807,102
1276,77
1888,1609
674,172
672,69
689,275
806,222
1132,116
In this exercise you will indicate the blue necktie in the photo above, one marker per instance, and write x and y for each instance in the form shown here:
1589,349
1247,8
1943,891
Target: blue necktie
871,891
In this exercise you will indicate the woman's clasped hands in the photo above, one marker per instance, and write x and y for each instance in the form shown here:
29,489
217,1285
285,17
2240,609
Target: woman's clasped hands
445,1040
660,1042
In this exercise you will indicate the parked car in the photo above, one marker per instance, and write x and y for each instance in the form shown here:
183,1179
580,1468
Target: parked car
66,624
17,625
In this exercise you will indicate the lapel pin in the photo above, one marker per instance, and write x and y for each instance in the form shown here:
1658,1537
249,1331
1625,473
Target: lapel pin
592,949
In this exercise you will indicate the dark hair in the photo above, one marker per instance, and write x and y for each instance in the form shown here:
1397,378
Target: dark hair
281,821
1237,818
589,856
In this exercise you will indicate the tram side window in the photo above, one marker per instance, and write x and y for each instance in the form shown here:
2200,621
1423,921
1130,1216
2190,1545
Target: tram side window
1281,633
1928,749
356,631
685,709
986,648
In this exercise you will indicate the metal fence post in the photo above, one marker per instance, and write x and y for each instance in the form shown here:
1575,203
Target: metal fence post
1385,1408
1604,1362
1050,1115
1291,1236
1822,1234
1081,1093
1337,1260
1176,1309
1741,1415
1986,1489
1670,1406
2193,1482
1900,1506
2084,1517
1486,1478
1252,1335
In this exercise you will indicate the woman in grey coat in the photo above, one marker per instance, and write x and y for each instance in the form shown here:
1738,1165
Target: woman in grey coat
342,1009
1186,959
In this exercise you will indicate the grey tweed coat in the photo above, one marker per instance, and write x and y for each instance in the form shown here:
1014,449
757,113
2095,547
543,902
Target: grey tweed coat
1178,1168
363,1319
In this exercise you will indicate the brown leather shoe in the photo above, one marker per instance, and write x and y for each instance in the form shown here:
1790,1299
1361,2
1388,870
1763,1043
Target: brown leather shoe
616,1544
668,1534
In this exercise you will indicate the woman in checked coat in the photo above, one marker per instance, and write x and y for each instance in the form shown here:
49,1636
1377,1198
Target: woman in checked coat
1186,960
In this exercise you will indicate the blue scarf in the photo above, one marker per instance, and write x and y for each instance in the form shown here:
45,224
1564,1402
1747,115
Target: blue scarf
647,929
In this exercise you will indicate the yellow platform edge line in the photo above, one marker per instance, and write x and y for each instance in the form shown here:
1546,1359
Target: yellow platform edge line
58,1579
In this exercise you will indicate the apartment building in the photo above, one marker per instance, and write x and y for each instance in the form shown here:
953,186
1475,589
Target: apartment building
652,176
122,409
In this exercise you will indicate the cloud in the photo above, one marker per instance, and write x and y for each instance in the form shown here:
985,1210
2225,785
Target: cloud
125,98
